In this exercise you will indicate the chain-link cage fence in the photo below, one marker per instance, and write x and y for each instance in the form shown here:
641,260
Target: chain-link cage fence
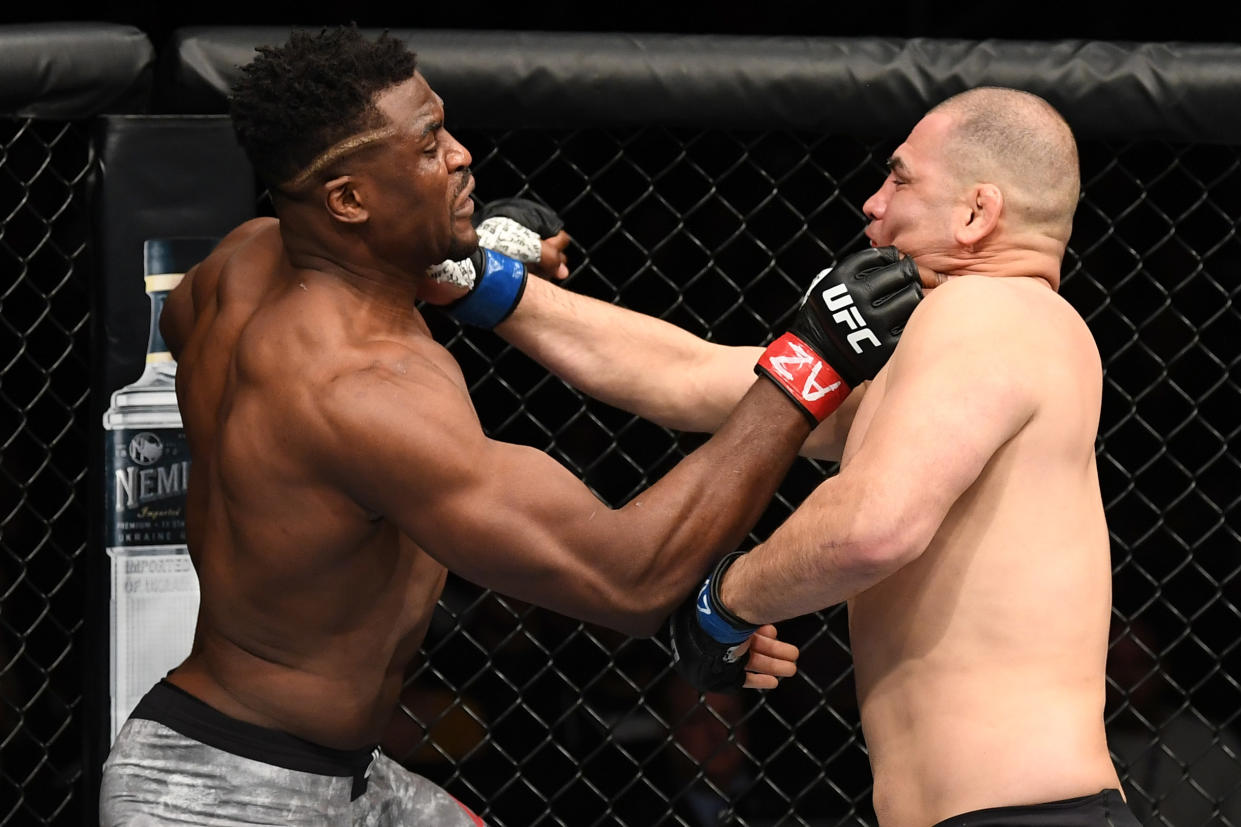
44,389
534,719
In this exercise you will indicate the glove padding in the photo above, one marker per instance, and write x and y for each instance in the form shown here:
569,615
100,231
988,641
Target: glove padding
496,283
709,642
532,215
849,322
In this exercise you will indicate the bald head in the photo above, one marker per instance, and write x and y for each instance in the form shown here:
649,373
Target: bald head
1019,142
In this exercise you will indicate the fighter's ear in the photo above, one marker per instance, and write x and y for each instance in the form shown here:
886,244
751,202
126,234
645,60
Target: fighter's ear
343,200
980,216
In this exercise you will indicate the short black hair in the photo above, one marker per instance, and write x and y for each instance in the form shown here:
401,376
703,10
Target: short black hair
294,101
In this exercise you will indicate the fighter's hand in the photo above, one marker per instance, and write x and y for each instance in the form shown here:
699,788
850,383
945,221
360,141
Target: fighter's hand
846,328
526,230
515,236
553,263
708,641
770,660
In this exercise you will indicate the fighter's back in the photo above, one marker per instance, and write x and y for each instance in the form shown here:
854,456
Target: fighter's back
300,584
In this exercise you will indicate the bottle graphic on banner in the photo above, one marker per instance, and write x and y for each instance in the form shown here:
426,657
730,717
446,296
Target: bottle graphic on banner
154,589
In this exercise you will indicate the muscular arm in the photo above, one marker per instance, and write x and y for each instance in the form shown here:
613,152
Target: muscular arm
647,366
957,389
409,446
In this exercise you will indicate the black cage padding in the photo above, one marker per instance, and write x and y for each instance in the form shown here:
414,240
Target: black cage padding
74,70
861,86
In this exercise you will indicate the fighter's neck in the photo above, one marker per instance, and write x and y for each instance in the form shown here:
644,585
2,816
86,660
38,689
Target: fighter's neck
353,266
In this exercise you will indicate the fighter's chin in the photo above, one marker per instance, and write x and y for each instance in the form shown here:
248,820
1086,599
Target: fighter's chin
463,245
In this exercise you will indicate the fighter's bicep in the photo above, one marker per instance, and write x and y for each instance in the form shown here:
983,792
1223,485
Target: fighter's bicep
413,451
523,525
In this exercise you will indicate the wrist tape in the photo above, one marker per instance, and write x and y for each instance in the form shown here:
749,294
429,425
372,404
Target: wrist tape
507,236
495,292
713,616
799,371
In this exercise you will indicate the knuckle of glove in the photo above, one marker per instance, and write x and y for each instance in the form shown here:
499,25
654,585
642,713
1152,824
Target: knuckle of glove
909,269
855,312
898,309
894,295
856,265
531,214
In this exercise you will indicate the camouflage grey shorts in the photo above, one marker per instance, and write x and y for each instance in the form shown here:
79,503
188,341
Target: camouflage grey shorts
156,775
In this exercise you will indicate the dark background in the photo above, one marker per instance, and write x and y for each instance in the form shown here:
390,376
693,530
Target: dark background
1135,20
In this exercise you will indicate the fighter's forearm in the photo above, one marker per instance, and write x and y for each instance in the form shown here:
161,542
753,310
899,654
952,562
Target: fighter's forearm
705,506
835,546
635,362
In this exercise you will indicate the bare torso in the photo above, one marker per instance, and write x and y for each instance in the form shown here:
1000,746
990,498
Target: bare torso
980,665
312,608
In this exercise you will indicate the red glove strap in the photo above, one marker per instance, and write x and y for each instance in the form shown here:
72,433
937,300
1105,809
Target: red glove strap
802,373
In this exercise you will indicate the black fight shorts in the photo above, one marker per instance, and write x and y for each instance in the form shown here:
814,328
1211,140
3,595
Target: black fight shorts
1104,809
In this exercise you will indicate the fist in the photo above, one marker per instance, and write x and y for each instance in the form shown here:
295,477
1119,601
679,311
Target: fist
846,328
527,231
854,313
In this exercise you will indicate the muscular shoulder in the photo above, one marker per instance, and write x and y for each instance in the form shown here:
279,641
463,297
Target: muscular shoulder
395,409
1020,317
203,281
256,229
383,382
247,230
194,303
1008,338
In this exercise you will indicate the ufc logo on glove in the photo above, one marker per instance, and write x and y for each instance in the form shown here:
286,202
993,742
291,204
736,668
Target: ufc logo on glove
845,313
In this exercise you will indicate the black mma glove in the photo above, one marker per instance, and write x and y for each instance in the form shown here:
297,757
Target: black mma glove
846,328
530,215
707,638
510,235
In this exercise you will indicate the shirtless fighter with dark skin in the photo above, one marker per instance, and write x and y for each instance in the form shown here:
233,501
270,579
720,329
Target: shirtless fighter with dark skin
340,470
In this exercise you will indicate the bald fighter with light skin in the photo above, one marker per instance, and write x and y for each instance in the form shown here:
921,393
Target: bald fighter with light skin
340,470
965,528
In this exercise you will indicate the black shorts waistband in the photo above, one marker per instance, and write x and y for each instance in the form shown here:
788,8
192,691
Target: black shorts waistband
1099,810
180,711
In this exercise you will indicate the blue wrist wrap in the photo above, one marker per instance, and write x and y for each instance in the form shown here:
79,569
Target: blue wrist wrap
714,618
497,289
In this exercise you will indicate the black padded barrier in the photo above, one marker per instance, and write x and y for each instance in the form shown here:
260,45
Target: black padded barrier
548,80
70,71
704,179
